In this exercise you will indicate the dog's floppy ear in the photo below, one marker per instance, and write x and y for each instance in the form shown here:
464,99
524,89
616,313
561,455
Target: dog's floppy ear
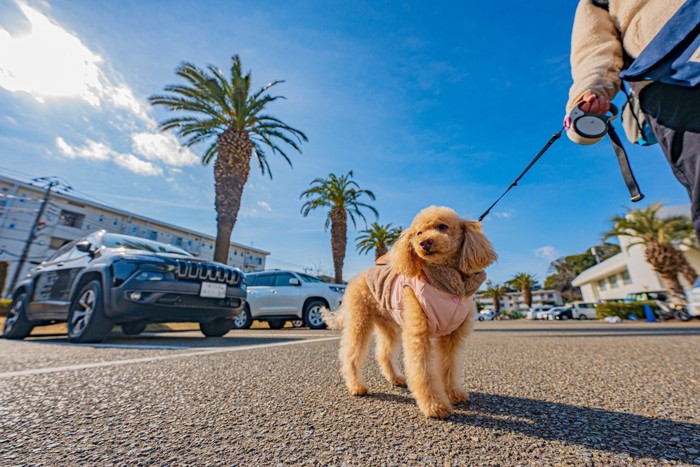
477,252
402,257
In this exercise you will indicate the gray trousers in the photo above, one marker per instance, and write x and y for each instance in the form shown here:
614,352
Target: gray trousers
673,113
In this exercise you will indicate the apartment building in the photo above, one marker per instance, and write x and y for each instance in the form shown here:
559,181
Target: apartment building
67,218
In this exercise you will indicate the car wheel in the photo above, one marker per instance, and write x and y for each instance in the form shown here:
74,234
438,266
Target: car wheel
216,328
312,314
582,317
244,320
480,318
87,321
681,315
133,328
276,323
298,323
17,325
564,317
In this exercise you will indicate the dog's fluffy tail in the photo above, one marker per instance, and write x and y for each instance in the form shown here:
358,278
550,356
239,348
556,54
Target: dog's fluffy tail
333,319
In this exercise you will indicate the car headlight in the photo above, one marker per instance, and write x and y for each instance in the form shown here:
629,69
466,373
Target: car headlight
335,289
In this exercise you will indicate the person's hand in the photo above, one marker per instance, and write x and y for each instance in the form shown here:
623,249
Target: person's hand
591,102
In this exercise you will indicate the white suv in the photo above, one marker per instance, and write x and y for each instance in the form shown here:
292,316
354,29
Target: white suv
281,296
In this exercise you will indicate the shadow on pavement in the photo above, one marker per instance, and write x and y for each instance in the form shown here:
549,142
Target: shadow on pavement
617,432
639,331
167,342
620,433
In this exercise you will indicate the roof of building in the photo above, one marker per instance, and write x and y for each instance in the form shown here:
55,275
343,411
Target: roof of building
105,207
603,269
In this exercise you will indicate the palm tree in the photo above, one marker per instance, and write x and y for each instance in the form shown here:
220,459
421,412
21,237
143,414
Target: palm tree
380,237
495,292
661,238
226,113
342,196
524,282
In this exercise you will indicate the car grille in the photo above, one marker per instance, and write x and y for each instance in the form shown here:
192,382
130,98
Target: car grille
195,271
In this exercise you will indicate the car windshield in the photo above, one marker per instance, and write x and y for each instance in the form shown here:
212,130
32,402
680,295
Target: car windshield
141,244
307,278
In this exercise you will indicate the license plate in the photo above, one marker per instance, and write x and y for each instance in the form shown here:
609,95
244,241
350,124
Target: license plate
212,290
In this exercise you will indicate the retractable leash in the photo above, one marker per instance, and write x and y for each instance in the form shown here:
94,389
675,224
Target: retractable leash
593,126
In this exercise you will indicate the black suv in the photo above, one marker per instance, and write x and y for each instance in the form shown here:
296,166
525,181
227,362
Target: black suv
105,279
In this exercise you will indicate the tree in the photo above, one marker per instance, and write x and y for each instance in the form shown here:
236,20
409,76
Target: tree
495,292
342,196
378,237
568,267
524,282
661,237
227,115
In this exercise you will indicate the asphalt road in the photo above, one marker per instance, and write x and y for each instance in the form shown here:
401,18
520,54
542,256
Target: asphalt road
551,393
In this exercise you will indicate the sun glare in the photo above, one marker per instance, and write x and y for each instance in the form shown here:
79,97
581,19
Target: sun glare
48,61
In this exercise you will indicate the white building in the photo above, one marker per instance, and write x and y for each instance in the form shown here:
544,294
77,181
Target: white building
628,272
514,300
67,218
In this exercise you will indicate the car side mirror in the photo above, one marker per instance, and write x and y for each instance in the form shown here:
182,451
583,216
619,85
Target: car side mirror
84,246
294,281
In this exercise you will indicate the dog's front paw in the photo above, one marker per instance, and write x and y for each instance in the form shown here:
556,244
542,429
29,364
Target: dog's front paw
436,410
358,390
458,396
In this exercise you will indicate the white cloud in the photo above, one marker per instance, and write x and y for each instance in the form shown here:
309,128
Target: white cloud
265,205
162,147
136,165
101,152
10,119
92,150
503,214
547,251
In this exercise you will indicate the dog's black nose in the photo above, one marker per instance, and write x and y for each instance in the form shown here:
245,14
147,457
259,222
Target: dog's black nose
427,244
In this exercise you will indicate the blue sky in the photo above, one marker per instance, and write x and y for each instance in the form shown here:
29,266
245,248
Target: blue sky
426,103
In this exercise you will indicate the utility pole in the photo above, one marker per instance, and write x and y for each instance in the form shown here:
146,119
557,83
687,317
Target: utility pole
51,183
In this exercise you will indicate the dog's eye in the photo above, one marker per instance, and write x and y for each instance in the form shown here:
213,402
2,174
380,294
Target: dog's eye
419,233
443,227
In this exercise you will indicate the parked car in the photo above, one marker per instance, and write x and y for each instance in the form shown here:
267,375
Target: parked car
693,298
647,296
577,310
485,315
105,279
538,312
281,296
552,313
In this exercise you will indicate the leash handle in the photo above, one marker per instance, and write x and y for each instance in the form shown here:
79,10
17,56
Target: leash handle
551,141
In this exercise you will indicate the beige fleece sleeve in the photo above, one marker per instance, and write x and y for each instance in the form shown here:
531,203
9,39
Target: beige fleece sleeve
596,54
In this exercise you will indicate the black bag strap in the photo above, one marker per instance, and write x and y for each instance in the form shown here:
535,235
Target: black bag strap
624,163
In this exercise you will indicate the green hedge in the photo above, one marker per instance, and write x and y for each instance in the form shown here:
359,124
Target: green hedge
623,310
4,306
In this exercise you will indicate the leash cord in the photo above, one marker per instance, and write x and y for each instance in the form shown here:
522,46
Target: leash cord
551,141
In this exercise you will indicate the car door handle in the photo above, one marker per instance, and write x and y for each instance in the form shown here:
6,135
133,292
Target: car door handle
273,291
60,264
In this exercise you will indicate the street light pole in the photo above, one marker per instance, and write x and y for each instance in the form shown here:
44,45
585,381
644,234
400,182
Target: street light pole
32,234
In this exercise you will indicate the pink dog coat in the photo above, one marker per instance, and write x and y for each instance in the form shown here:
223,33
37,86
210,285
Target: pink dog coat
445,312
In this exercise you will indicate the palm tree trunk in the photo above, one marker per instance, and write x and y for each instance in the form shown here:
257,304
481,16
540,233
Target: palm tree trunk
497,304
669,262
380,251
339,229
527,297
231,171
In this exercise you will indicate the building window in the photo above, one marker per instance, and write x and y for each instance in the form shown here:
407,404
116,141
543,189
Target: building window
603,284
101,219
177,241
613,282
71,219
626,279
152,235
